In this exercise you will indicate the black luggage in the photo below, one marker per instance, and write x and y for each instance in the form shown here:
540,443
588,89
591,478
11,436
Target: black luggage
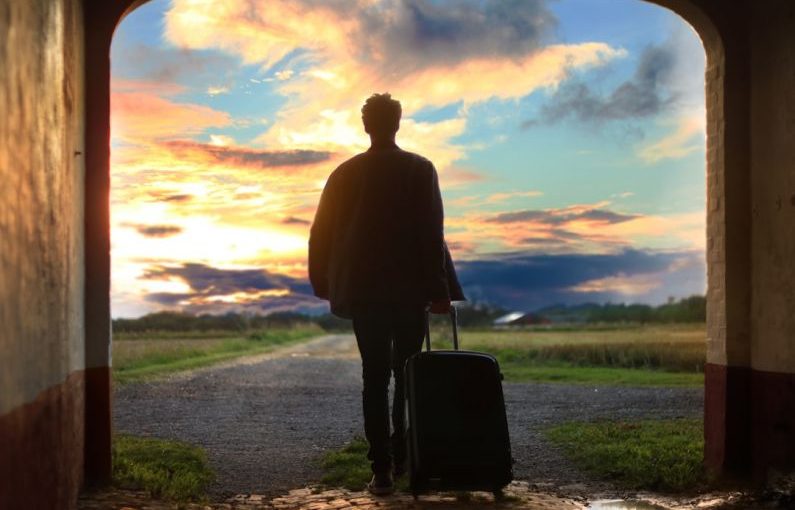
457,429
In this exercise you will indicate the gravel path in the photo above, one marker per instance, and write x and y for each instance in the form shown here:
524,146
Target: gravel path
265,420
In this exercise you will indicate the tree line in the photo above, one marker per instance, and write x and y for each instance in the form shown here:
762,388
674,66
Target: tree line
689,309
472,315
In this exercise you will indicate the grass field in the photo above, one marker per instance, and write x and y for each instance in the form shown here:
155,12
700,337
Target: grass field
662,455
165,469
141,357
348,467
634,355
631,355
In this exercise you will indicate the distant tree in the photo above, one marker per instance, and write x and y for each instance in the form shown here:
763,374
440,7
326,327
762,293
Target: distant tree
333,323
690,309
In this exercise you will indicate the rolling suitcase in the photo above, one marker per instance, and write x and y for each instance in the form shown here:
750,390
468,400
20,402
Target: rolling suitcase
457,430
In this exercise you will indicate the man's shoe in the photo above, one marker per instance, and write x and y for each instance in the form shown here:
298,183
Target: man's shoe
381,484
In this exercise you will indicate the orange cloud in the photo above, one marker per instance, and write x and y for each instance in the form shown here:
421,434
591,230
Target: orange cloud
142,116
630,285
157,88
355,48
688,137
580,228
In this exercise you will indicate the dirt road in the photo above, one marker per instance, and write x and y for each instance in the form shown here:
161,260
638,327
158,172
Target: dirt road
266,420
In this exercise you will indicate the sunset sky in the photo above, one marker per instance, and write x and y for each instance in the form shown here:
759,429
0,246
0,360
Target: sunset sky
568,136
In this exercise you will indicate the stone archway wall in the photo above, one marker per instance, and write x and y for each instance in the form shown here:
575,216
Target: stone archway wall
750,375
41,253
726,407
772,246
55,426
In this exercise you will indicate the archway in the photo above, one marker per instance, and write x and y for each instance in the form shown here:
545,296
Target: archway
728,264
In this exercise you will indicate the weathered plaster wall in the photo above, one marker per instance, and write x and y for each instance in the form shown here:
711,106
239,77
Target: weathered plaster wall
41,240
773,187
773,234
41,251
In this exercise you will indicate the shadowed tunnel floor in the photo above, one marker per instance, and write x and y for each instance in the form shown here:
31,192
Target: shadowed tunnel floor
266,422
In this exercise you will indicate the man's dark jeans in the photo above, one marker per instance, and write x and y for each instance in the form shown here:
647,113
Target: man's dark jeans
386,335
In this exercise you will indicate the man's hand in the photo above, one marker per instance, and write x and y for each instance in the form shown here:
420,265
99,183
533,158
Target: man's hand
442,306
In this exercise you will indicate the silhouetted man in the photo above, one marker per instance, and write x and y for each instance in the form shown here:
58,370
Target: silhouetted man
377,253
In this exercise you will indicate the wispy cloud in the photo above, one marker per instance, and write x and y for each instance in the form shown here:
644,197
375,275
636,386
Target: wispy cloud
579,228
292,220
158,230
561,216
667,86
170,64
495,199
687,137
667,79
217,90
246,157
646,94
142,116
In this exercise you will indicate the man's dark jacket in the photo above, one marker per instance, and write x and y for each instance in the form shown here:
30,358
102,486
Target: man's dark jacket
378,234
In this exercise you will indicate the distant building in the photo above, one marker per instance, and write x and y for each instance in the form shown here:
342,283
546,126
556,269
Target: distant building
507,319
521,319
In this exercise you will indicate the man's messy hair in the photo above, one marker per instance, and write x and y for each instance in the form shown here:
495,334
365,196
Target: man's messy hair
381,114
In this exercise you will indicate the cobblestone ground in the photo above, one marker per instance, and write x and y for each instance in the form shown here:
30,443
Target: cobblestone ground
518,495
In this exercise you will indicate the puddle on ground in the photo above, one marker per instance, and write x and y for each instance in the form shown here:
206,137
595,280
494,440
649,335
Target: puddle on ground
620,504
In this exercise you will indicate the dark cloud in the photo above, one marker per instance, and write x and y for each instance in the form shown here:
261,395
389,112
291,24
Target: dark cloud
292,220
158,230
249,157
561,216
529,282
211,281
174,65
413,34
176,198
521,282
300,303
207,282
168,299
647,93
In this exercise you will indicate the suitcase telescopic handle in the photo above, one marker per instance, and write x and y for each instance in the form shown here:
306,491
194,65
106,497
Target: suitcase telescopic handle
453,321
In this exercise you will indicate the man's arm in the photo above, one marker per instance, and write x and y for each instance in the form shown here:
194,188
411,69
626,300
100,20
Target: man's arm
320,236
432,248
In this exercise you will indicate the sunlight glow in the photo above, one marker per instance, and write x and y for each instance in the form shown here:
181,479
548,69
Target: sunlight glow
551,139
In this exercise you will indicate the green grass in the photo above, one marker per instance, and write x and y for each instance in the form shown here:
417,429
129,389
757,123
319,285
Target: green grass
175,335
165,469
634,355
139,359
585,334
348,467
559,373
661,455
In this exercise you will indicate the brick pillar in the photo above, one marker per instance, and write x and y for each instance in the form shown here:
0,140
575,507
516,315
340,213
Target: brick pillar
727,373
101,18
